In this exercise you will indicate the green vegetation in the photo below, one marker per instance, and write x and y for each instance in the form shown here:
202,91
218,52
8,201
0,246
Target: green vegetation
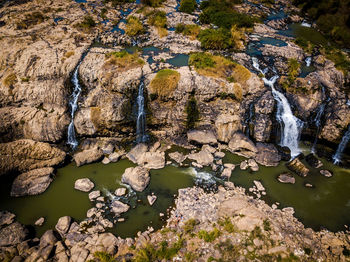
341,61
116,3
222,14
10,80
189,225
158,19
164,83
87,24
103,13
124,60
209,236
293,69
151,253
216,39
188,6
227,225
192,30
267,225
153,3
134,26
31,19
104,257
192,112
228,251
331,16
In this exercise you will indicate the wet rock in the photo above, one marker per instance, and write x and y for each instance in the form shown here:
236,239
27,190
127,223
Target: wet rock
107,149
177,157
137,177
88,156
201,137
94,194
84,184
114,157
151,199
286,178
313,161
227,172
63,224
152,160
309,185
203,157
241,145
289,51
262,123
6,218
258,185
284,152
13,234
120,191
244,165
24,155
118,207
40,222
298,167
106,160
267,154
326,173
219,154
253,165
33,182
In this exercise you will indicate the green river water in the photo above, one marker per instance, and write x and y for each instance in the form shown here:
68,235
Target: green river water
325,205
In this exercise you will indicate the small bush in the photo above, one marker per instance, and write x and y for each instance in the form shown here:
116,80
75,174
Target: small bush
134,26
267,225
227,225
189,225
188,6
87,24
68,54
103,14
152,3
188,30
293,69
124,60
192,112
209,236
202,60
104,257
158,19
215,39
31,19
237,37
164,83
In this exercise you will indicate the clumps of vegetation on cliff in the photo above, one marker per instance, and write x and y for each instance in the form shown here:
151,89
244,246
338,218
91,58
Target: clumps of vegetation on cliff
124,60
192,112
158,20
164,83
218,66
31,19
331,16
10,80
153,3
87,24
115,3
192,31
188,6
134,26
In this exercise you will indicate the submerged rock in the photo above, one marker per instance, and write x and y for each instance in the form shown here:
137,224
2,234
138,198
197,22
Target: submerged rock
244,165
137,177
326,173
242,145
298,167
201,137
253,165
286,178
33,182
114,157
88,156
84,184
39,222
313,161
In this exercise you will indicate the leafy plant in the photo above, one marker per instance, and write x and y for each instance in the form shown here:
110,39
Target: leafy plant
124,60
188,6
134,26
189,225
209,236
215,39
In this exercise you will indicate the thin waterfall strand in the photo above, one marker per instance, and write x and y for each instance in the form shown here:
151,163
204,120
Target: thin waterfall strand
343,143
141,116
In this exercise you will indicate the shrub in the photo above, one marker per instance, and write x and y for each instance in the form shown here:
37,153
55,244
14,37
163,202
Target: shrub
152,3
104,256
188,6
164,83
192,112
202,60
158,19
215,39
192,30
115,3
10,80
87,24
237,37
227,225
124,60
31,19
134,26
267,225
293,69
189,225
209,236
103,13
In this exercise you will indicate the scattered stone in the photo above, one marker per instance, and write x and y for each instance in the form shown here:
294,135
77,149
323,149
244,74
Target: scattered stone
152,160
121,219
161,214
201,137
118,207
209,148
253,165
120,191
33,182
227,172
114,157
137,177
195,164
106,161
101,199
242,145
63,224
309,185
298,167
244,165
99,205
151,199
286,178
84,184
94,194
313,161
137,152
39,222
88,156
155,147
289,210
326,173
91,212
258,185
219,154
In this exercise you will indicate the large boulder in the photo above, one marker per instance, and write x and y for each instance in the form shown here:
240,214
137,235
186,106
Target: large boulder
137,177
149,159
137,152
267,155
242,145
203,157
88,156
262,123
13,234
177,157
63,224
286,178
84,184
298,167
6,218
118,207
201,137
24,155
226,125
33,182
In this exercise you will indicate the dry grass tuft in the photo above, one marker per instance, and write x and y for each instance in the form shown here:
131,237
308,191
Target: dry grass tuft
164,83
123,60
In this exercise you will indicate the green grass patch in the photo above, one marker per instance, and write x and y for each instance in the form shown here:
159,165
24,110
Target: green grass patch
209,236
134,26
189,225
158,19
124,60
104,257
192,31
227,225
215,39
153,3
164,83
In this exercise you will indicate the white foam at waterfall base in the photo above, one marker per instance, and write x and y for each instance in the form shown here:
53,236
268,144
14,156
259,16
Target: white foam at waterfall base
308,61
201,177
343,143
305,24
290,125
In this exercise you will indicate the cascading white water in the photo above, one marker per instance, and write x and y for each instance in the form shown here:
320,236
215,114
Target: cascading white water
141,136
308,61
343,143
73,104
290,125
305,24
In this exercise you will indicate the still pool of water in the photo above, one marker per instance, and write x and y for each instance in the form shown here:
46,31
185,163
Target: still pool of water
325,205
178,60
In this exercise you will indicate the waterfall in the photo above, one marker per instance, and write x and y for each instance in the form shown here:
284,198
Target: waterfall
305,24
317,122
73,104
344,141
290,125
308,61
141,136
